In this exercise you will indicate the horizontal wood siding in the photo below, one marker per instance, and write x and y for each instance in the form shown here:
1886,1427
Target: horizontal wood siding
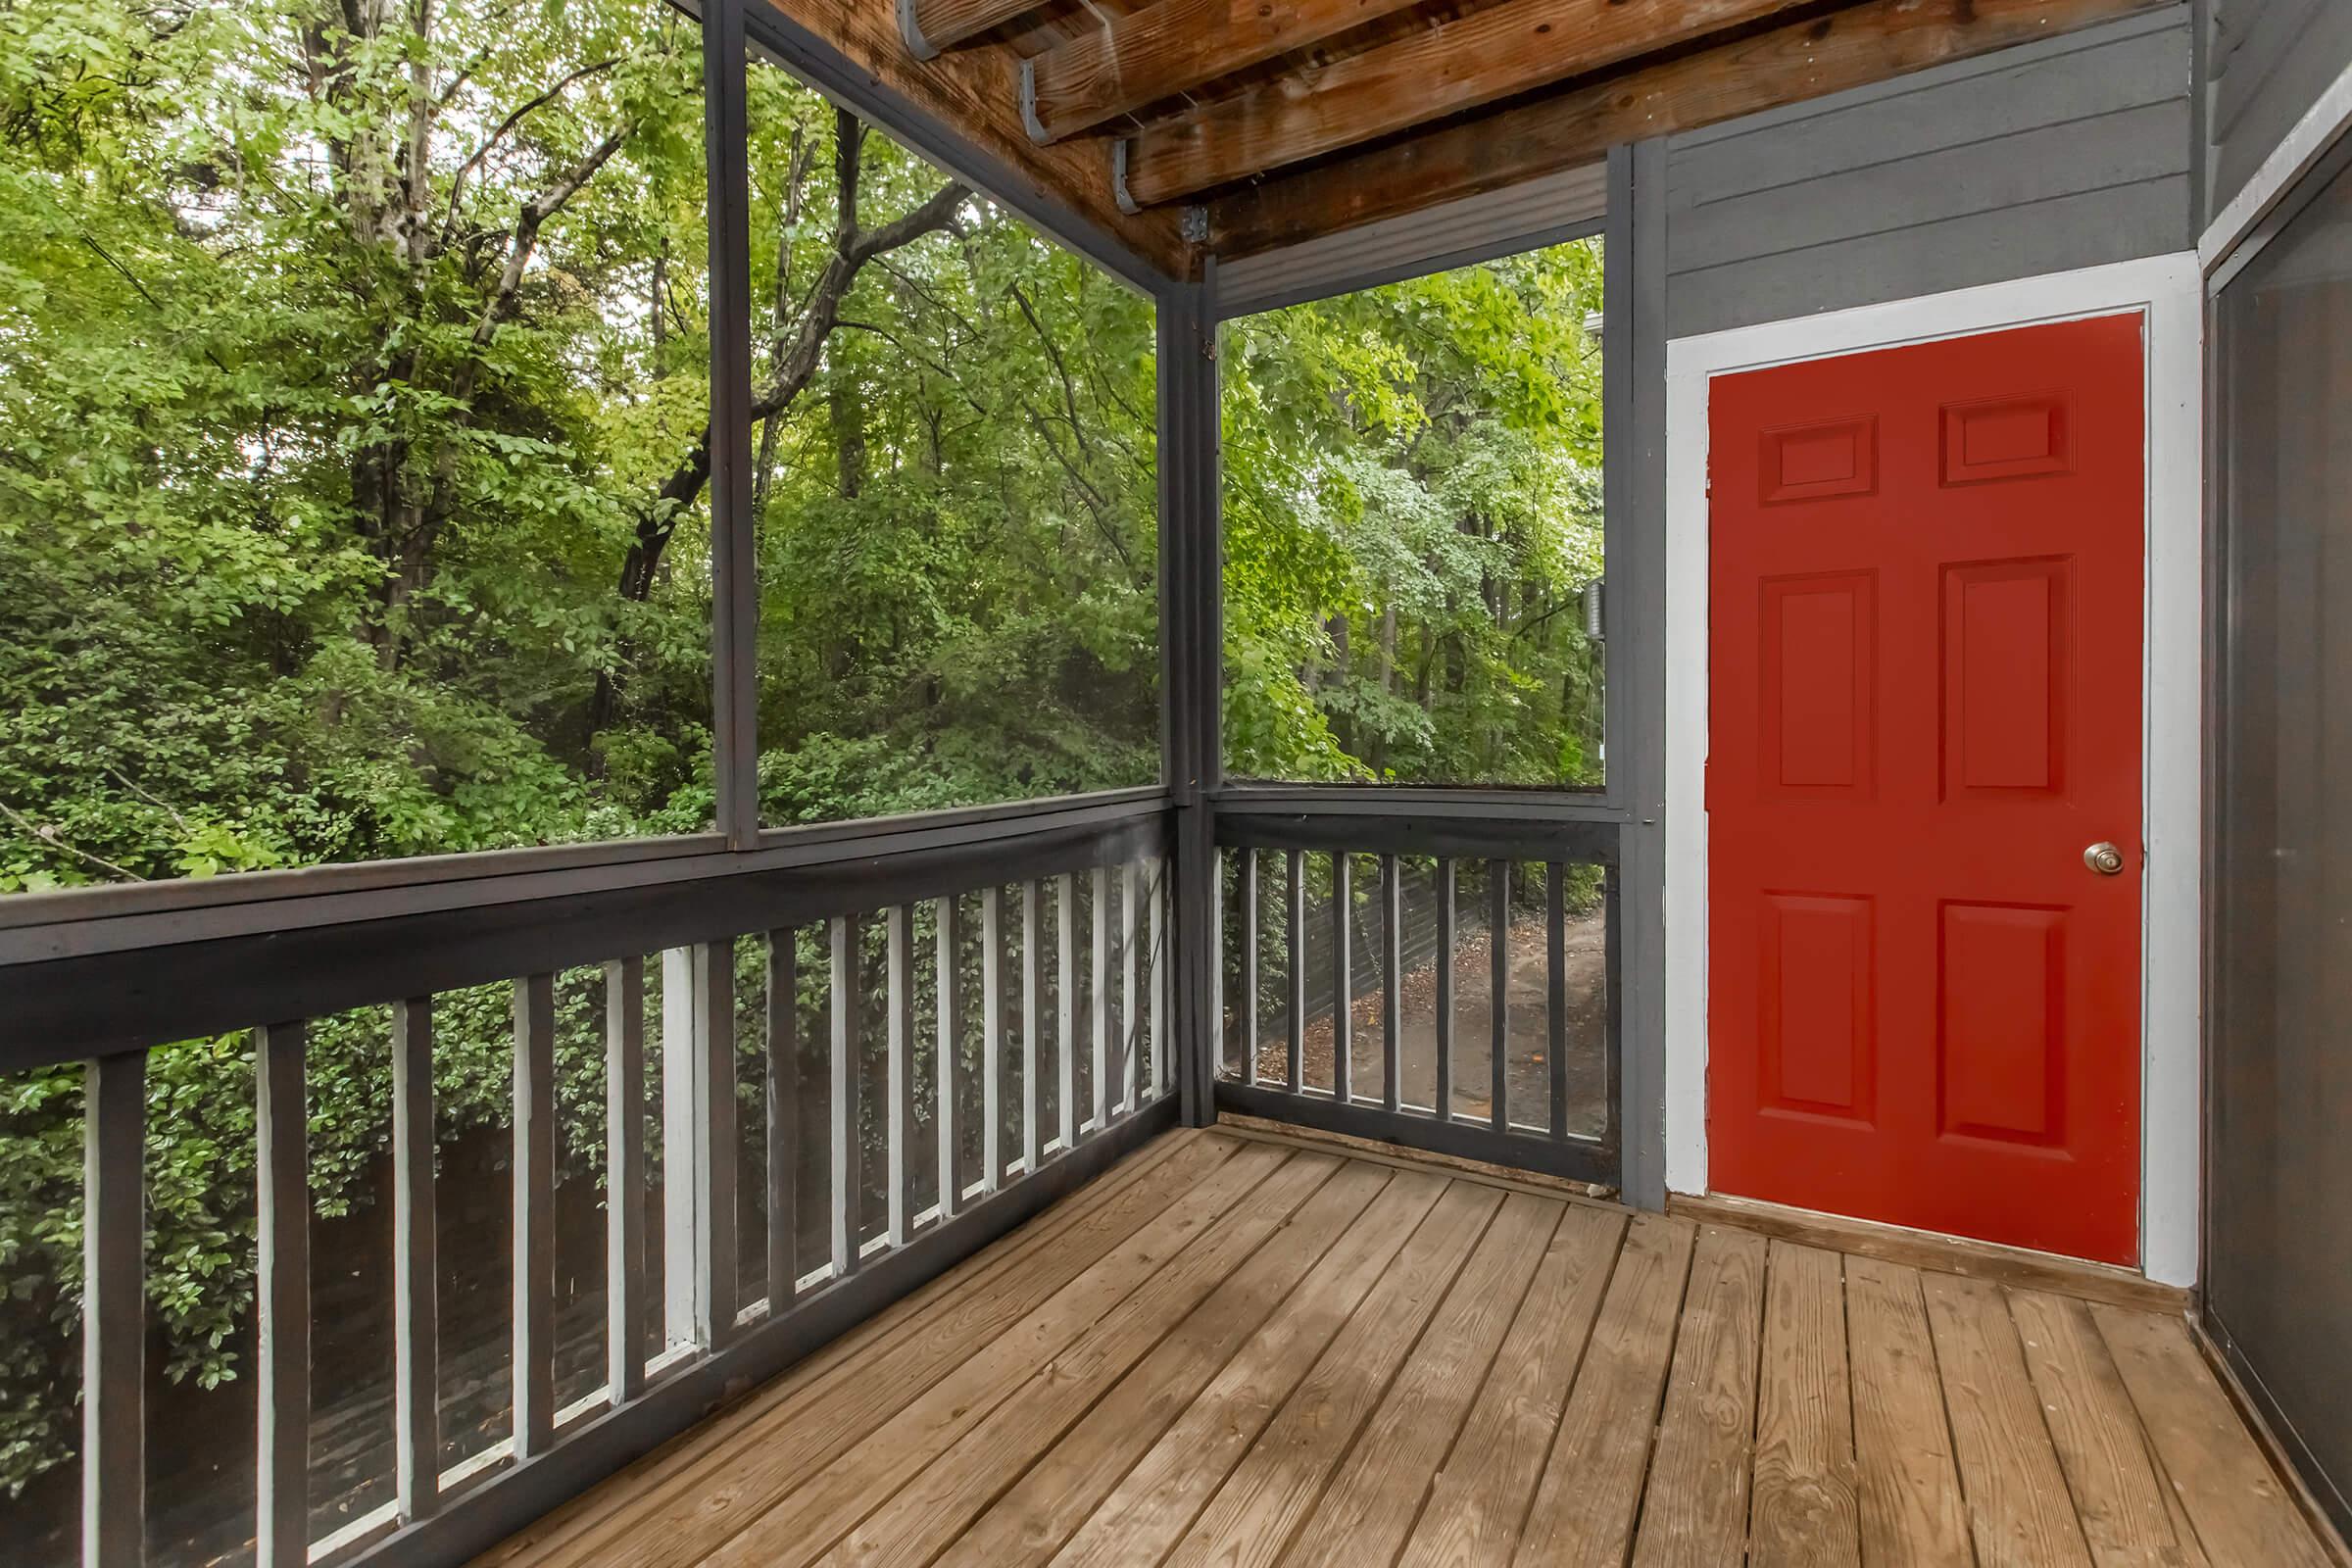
2266,62
2041,159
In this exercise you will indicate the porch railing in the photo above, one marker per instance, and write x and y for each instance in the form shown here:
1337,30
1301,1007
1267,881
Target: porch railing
1445,983
1074,1066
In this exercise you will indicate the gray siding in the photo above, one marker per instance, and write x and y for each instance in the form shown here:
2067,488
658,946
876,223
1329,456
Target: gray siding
2266,62
2039,159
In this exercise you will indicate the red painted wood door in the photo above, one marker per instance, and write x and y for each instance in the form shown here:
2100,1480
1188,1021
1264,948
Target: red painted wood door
1925,573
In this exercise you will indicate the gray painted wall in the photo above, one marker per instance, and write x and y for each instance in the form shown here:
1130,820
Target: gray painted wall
2264,63
2039,159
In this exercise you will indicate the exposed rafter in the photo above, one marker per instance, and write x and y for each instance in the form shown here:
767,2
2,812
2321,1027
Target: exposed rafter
1452,66
1172,47
1869,42
931,26
976,91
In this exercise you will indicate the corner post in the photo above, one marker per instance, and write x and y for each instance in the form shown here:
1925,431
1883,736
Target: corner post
1634,422
734,563
1192,683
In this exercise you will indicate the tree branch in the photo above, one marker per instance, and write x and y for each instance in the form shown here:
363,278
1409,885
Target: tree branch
48,835
474,159
525,242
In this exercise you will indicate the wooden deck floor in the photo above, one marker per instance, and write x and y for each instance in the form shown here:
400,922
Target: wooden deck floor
1235,1350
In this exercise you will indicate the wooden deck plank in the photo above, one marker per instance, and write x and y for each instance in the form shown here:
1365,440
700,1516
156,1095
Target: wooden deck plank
902,1349
2119,1497
1143,1515
1162,1273
2242,1511
701,1510
1584,1507
1032,1520
1912,1512
1805,1510
1480,1494
1371,1503
2019,1508
1695,1513
1269,1494
934,1508
1246,1353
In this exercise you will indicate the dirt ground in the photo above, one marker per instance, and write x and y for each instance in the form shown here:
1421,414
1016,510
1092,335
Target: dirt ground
1527,1067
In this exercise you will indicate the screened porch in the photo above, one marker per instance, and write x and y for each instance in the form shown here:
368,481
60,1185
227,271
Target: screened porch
987,781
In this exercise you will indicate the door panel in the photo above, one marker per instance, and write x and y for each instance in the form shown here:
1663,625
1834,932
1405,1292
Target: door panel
1926,573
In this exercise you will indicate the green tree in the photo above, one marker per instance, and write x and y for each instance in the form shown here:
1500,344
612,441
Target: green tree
1412,507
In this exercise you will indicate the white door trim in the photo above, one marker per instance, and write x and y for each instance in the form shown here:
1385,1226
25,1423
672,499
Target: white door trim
2167,290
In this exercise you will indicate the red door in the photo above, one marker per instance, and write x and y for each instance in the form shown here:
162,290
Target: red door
1926,591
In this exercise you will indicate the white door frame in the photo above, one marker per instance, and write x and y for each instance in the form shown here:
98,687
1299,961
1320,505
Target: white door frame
2169,291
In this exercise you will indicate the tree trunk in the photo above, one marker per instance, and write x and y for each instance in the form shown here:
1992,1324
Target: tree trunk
848,414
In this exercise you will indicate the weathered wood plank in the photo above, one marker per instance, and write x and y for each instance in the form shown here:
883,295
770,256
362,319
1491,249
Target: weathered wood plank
1696,1509
1805,1510
2241,1510
1271,1491
1479,1498
1936,1255
892,1346
1583,1510
1133,62
811,1515
1852,48
1369,1507
1039,1513
1911,1509
933,25
2017,1506
1153,1332
1142,1517
978,92
697,1509
1461,61
2118,1495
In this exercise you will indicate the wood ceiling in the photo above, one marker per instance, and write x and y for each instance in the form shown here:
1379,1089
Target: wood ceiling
1236,125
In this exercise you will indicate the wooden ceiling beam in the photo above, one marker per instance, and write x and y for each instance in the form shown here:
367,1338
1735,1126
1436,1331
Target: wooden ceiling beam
930,26
974,90
1453,65
1853,48
1172,47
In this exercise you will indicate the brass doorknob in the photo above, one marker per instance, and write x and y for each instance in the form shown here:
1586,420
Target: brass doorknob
2104,858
